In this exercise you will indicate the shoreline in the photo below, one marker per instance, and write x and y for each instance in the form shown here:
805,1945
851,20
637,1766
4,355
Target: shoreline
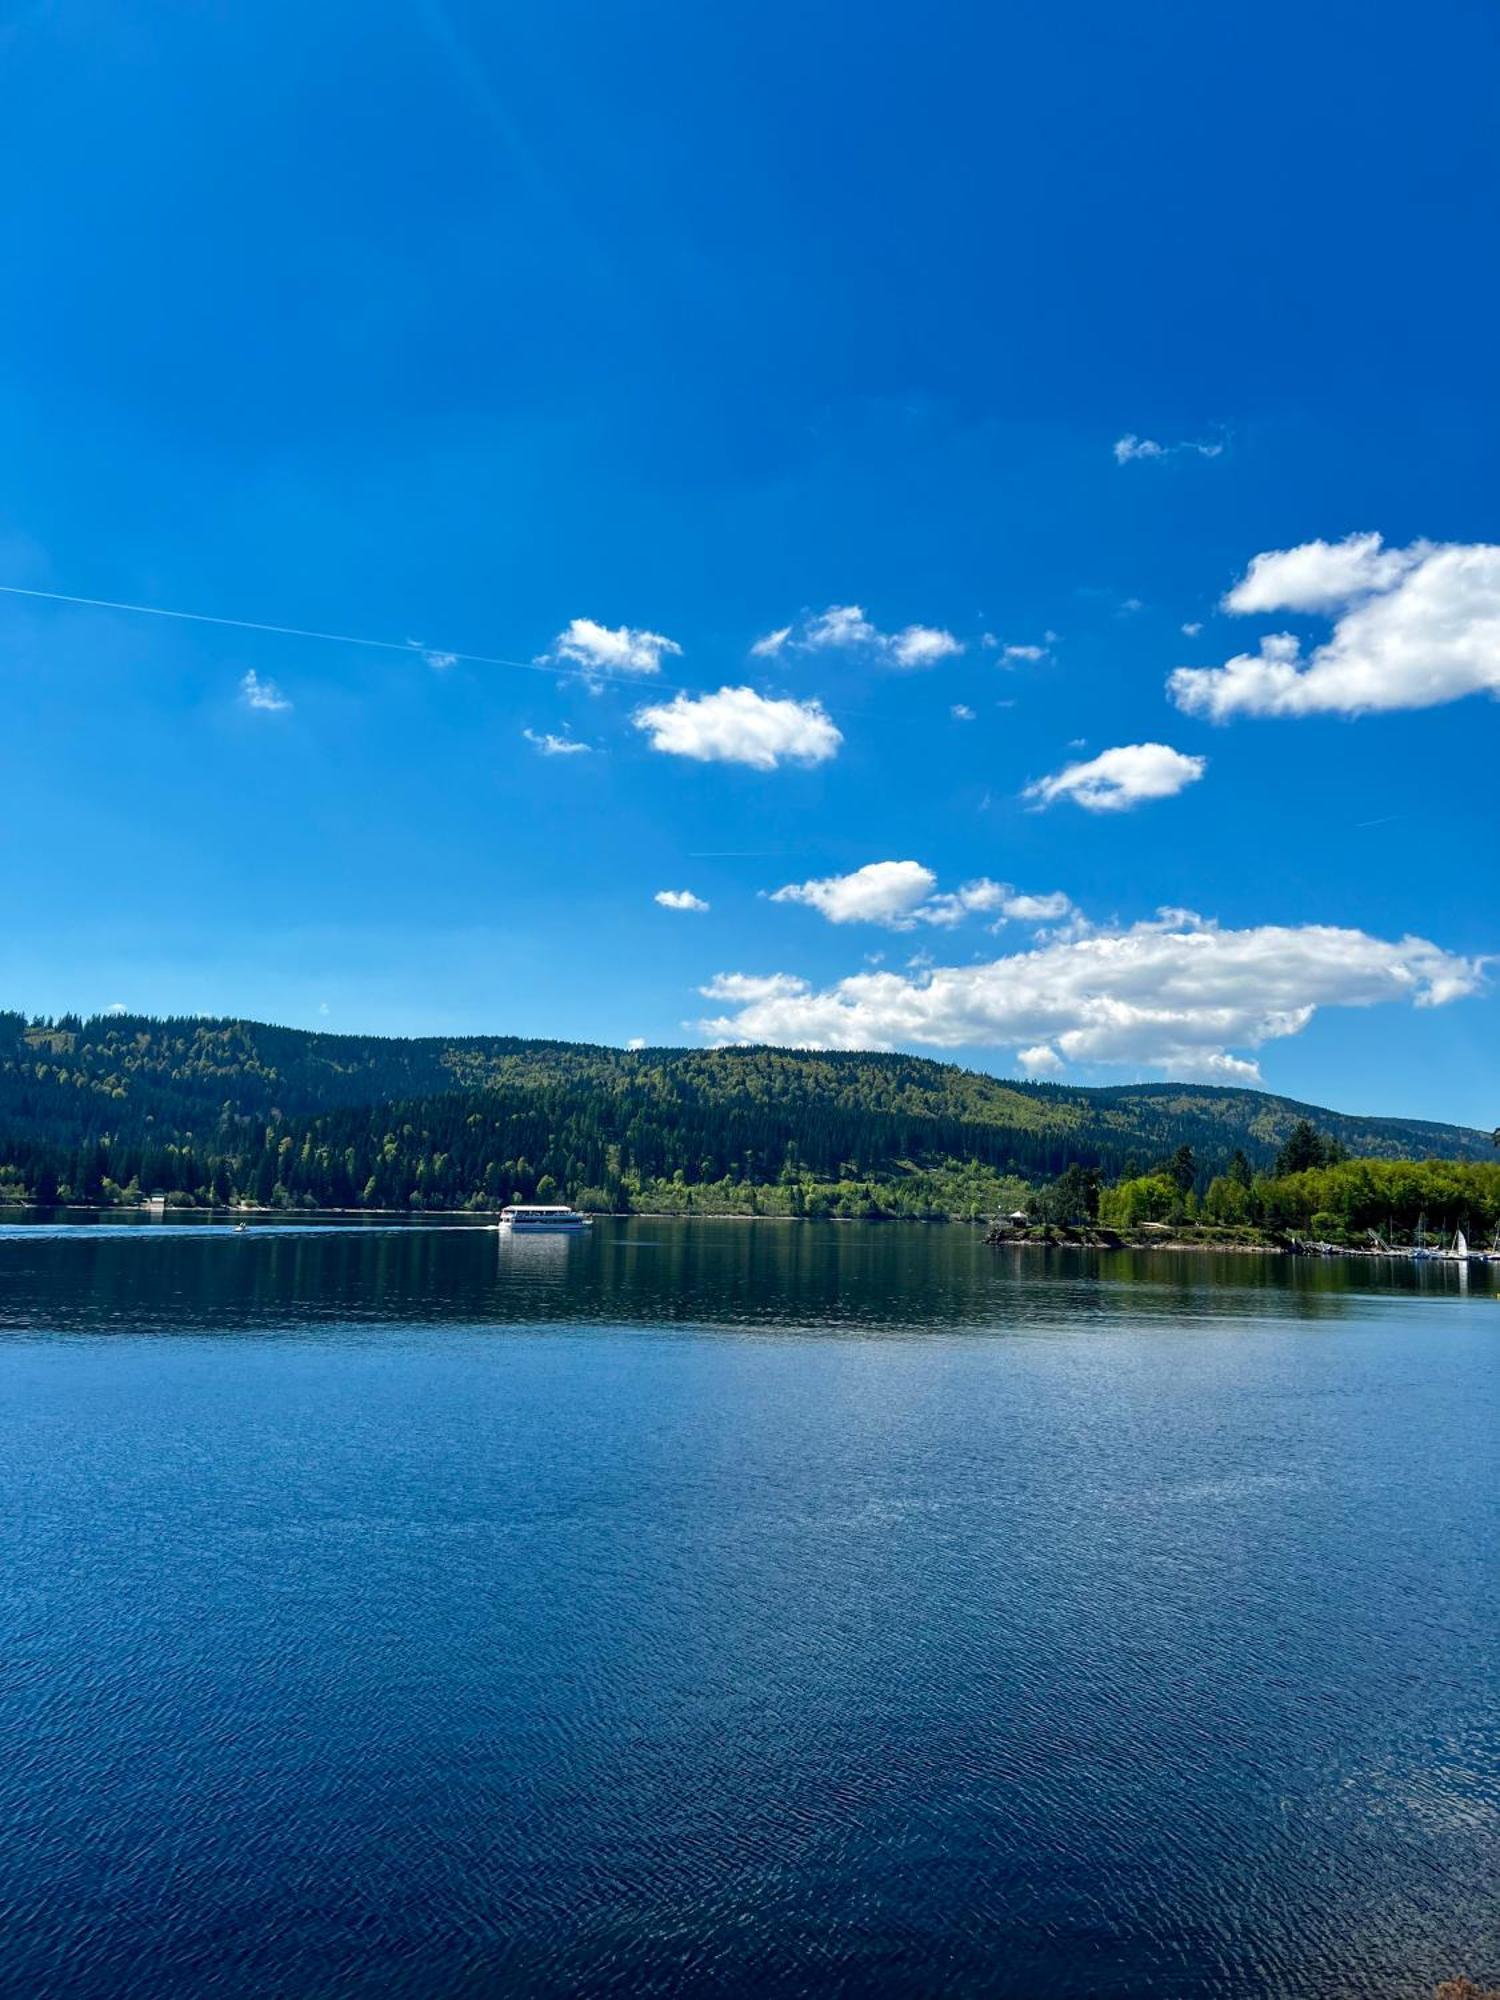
481,1220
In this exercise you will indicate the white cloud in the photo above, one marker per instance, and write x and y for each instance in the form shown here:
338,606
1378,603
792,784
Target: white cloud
882,892
263,695
1174,994
983,897
1040,909
1130,447
116,1007
679,899
1013,655
750,989
1118,779
556,746
440,662
923,646
845,628
1418,626
1319,576
636,1042
604,649
768,647
1039,1060
902,894
739,726
986,895
840,625
1192,630
961,712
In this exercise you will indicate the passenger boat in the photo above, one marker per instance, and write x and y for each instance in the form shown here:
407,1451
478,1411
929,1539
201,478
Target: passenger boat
531,1216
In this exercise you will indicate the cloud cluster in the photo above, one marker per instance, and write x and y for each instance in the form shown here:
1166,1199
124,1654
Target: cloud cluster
265,696
605,649
1416,627
679,899
845,628
900,895
1118,779
1175,994
739,726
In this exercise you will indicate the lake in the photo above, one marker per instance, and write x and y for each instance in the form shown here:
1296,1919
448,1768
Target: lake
710,1608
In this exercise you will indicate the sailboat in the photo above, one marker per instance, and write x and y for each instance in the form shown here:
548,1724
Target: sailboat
1459,1253
1421,1250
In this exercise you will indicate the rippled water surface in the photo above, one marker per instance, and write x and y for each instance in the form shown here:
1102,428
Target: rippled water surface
736,1609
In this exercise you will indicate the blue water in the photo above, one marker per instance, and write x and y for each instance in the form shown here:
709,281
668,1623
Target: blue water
707,1609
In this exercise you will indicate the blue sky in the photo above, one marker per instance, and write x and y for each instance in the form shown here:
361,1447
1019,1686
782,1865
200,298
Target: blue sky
454,326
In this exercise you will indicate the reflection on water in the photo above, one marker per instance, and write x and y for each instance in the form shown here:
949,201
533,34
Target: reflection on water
898,1277
539,1257
411,1613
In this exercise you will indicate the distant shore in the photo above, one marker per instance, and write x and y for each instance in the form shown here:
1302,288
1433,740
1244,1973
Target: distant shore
1207,1240
1054,1238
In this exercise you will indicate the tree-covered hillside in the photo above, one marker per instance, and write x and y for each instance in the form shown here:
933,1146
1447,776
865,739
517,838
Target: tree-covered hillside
214,1109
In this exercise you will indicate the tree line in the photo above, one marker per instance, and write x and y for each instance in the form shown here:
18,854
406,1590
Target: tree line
217,1112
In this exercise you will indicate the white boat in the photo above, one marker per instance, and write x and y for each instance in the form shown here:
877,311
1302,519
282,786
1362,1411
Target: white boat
531,1216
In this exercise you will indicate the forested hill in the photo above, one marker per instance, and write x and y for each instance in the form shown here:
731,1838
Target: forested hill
236,1108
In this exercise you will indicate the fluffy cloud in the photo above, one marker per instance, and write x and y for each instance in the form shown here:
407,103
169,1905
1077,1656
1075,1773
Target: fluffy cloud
1042,1060
739,726
923,646
1130,447
263,695
845,628
1117,779
556,746
1175,994
882,892
961,712
1013,655
604,649
1417,627
902,894
679,899
752,989
1318,576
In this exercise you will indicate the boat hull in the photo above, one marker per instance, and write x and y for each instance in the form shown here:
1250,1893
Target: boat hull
544,1228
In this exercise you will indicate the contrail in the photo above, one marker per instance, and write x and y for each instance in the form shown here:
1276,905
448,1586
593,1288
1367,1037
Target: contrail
444,654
